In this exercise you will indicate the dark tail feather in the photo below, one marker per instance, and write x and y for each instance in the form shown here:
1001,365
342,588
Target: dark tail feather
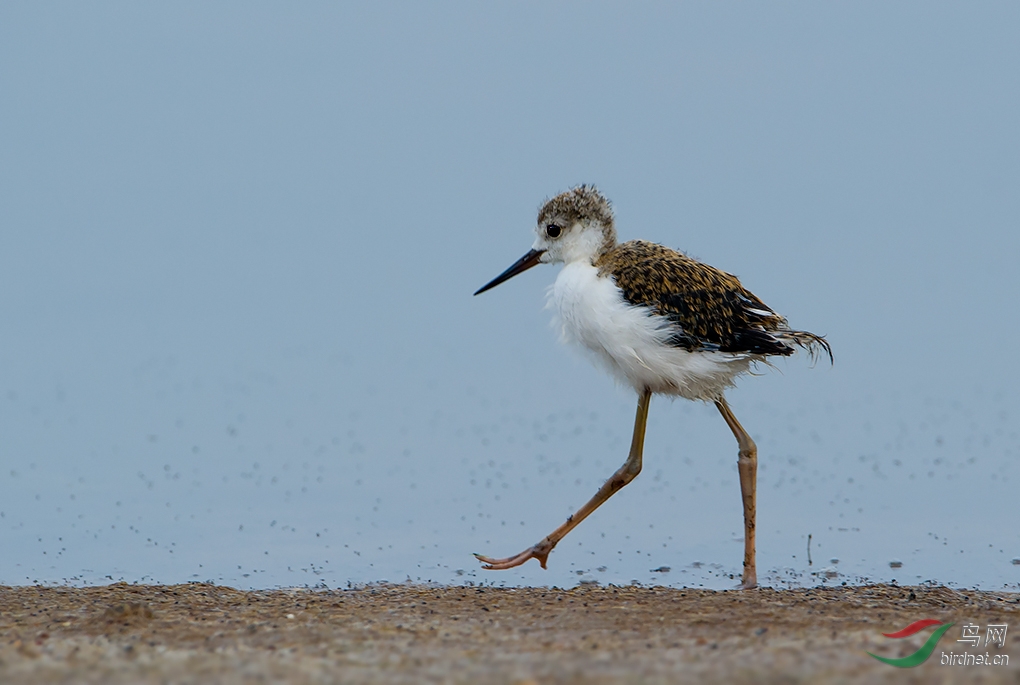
816,345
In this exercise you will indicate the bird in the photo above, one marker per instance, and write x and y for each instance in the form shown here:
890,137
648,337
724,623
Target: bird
659,321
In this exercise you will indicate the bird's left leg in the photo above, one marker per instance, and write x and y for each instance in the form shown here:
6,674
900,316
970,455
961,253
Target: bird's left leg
747,465
623,475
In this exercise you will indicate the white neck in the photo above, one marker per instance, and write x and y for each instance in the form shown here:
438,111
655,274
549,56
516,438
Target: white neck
584,242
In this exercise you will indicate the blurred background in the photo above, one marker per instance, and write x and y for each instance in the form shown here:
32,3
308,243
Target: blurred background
238,243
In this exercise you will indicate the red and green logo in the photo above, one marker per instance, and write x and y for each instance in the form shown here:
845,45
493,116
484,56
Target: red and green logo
921,655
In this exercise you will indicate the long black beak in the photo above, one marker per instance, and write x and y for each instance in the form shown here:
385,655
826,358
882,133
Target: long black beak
520,266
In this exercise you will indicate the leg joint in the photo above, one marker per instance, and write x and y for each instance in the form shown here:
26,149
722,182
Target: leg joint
631,470
747,449
626,474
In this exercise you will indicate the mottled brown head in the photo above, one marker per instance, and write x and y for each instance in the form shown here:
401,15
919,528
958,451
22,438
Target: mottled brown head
573,226
583,204
581,210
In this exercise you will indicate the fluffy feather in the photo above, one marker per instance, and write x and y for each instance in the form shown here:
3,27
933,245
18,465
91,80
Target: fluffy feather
633,342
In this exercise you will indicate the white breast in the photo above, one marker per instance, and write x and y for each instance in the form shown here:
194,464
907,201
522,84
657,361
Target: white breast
632,342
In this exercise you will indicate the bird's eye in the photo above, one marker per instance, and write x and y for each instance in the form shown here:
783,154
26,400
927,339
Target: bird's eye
553,231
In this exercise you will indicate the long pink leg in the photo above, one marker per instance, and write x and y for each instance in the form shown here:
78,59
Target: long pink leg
625,474
747,465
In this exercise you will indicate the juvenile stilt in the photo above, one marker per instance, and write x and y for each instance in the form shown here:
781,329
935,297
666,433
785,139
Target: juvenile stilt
659,321
747,466
625,474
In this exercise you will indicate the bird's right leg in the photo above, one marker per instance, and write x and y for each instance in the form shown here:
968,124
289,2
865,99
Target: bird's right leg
747,467
625,474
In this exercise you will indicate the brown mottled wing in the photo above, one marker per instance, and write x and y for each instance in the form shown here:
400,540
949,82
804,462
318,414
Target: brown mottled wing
711,310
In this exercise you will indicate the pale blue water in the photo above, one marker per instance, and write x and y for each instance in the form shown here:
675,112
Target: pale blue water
238,246
308,475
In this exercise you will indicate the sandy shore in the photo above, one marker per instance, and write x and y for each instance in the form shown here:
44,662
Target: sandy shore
412,634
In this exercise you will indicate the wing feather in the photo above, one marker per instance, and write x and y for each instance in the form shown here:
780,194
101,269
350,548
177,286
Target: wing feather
710,309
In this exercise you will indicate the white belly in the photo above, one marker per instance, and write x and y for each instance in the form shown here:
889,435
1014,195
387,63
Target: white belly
632,342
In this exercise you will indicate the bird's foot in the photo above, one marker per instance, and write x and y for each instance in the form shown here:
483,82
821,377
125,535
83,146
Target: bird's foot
539,551
750,581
